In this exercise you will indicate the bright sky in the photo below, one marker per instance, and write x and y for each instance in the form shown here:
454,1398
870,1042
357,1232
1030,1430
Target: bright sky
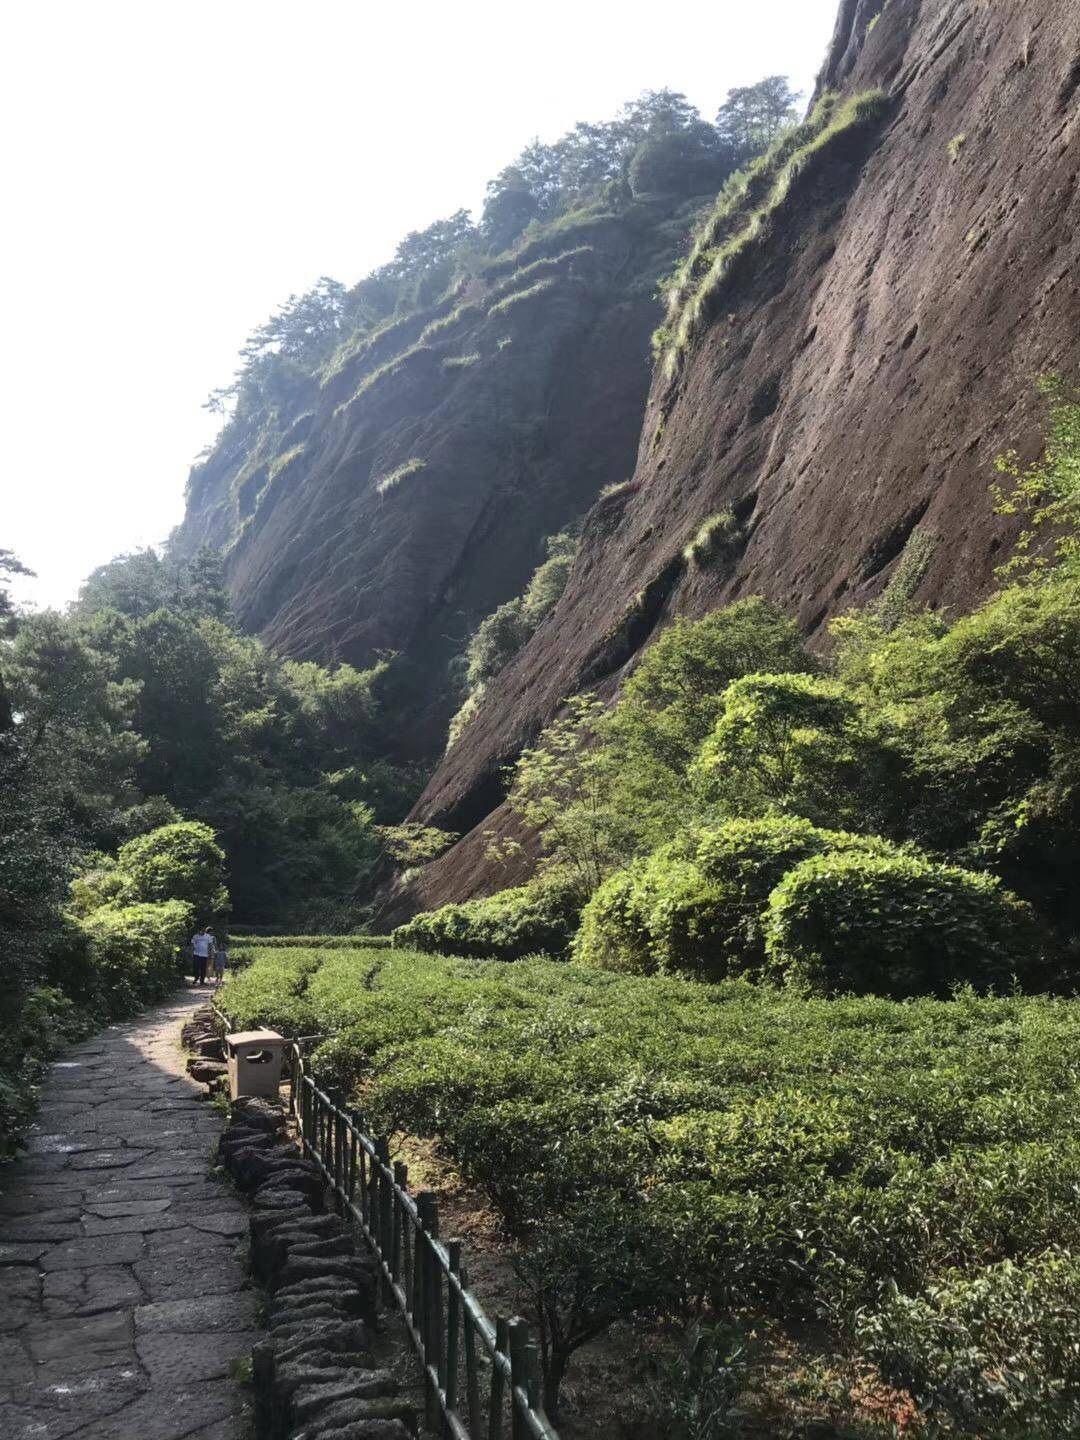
171,173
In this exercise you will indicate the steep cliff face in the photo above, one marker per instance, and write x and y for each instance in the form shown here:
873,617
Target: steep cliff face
394,499
841,378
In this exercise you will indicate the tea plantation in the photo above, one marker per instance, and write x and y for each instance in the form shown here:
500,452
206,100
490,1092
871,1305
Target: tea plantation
905,1174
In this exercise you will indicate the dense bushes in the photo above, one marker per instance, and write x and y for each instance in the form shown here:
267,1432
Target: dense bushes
115,947
522,921
956,742
698,904
133,951
897,925
991,1352
758,1150
175,862
832,909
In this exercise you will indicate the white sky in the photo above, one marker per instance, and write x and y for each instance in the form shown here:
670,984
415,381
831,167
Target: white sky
170,173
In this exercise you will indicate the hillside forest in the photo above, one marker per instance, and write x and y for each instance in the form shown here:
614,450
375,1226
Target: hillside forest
760,1059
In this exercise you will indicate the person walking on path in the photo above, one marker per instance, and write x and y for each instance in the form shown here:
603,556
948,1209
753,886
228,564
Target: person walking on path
202,947
221,961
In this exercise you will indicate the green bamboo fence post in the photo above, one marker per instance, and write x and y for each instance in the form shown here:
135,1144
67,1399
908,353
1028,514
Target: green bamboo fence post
453,1324
498,1379
401,1181
354,1146
338,1118
426,1208
519,1339
418,1272
472,1376
438,1318
533,1373
384,1218
361,1159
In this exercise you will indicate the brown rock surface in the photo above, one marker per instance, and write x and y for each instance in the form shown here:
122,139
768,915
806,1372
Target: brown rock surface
878,356
514,443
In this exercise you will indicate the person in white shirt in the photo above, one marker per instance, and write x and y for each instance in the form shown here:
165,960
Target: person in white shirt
202,947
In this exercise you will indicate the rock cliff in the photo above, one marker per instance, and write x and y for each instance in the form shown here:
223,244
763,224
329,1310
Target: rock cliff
844,359
398,495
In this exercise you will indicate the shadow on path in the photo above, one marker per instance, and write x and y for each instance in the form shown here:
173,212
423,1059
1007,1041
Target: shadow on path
122,1303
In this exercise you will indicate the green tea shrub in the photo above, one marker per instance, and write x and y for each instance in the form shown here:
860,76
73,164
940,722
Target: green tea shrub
515,922
133,951
988,1353
777,1152
897,925
269,991
243,937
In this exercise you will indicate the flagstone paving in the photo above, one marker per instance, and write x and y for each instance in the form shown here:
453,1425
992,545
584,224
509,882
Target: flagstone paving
123,1305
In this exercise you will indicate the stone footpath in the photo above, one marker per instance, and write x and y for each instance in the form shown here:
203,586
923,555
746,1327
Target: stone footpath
123,1305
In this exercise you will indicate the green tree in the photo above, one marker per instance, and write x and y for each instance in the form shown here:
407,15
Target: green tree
177,862
672,701
753,116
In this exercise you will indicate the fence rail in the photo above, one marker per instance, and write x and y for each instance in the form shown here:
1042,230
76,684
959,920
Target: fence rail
482,1381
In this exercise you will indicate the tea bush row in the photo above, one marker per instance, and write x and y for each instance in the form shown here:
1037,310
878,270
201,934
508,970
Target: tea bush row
655,1144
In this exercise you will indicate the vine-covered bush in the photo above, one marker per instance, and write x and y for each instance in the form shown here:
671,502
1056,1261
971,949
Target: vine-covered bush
897,925
520,921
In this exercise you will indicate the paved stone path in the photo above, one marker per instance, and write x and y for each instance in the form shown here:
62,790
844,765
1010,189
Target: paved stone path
122,1302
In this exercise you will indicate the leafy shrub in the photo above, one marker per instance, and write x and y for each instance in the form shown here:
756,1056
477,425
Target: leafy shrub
502,634
789,740
672,701
465,715
1047,493
990,1353
134,950
46,1020
697,905
176,862
414,844
698,1394
515,922
897,925
497,640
